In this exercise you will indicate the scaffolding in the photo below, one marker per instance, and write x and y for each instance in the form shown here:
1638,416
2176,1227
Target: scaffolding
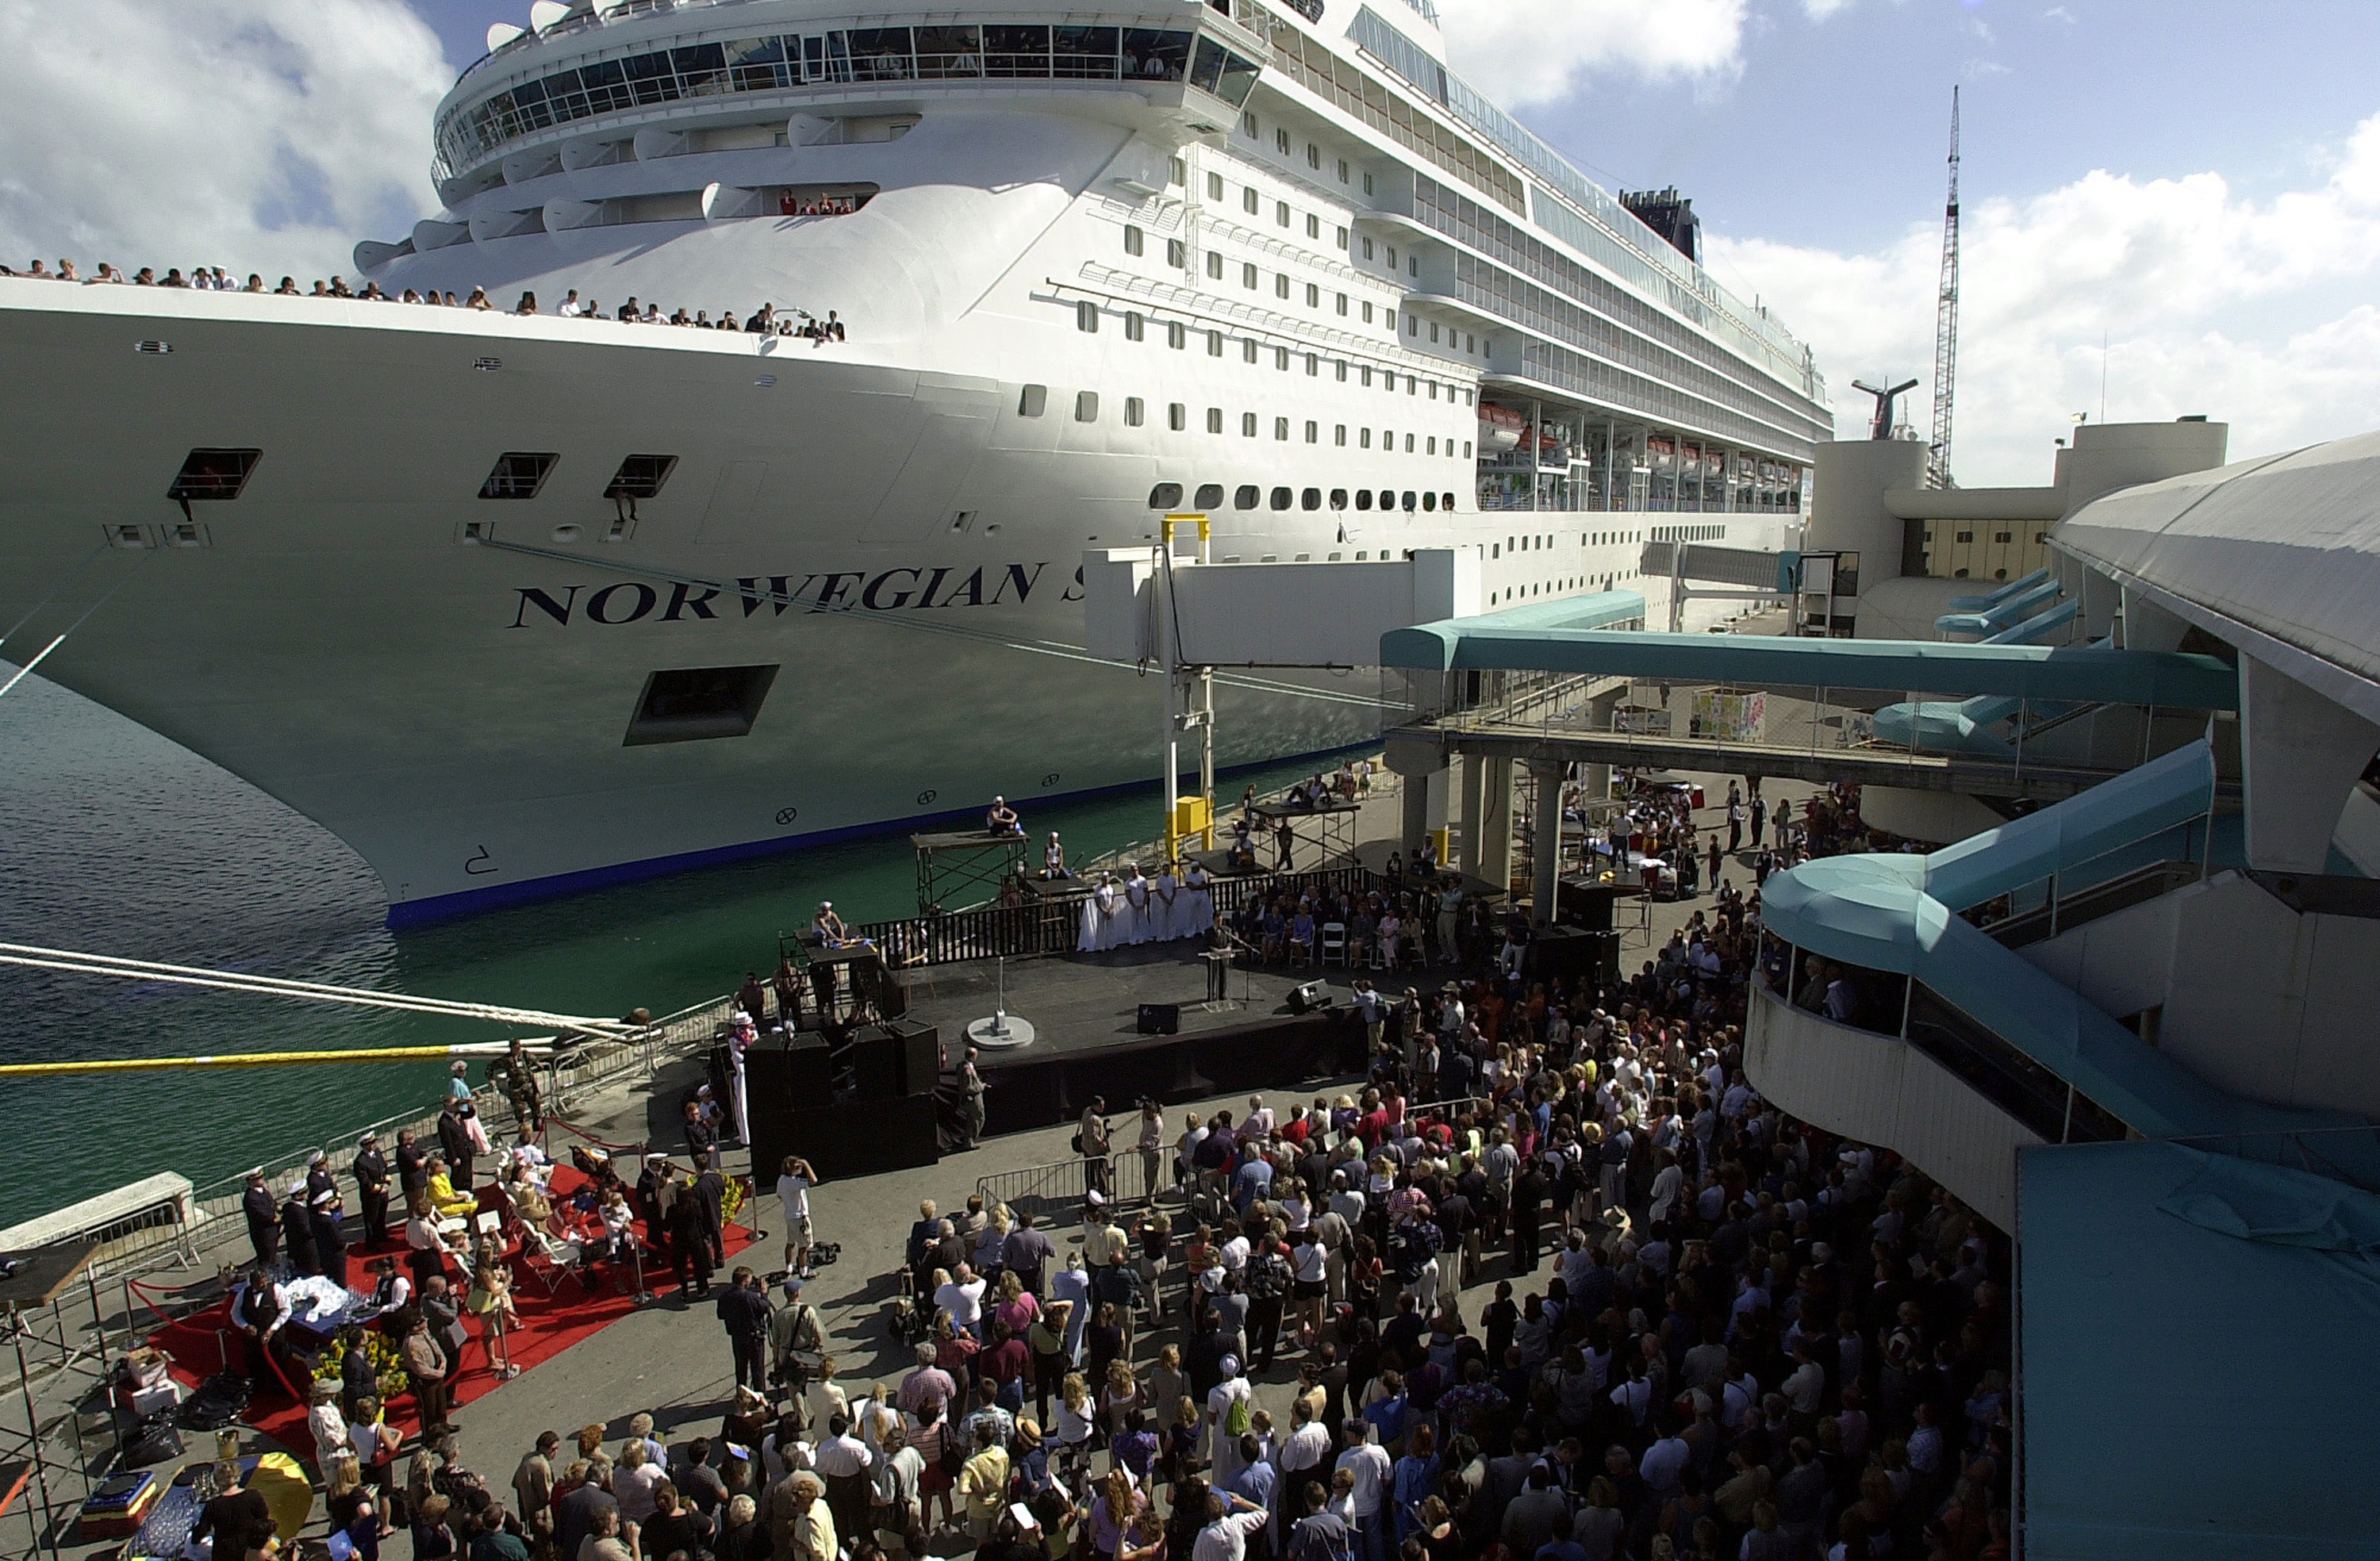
36,1486
962,869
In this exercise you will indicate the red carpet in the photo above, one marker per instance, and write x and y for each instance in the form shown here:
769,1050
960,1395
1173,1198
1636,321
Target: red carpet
548,1326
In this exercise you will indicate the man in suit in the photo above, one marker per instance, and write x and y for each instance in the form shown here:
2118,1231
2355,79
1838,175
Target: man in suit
710,1192
412,1165
743,1308
326,1220
454,1138
263,1217
371,1168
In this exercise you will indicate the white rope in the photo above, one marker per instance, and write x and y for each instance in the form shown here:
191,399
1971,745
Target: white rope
35,958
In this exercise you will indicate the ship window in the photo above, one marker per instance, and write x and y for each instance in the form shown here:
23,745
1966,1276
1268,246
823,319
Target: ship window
1177,171
640,476
1135,326
1210,496
1247,498
1280,359
1313,295
1281,141
1339,502
1247,274
1410,496
1429,500
1177,417
1339,436
1165,496
1280,428
1281,213
517,476
1446,500
686,704
1133,241
1368,314
1177,335
1087,316
1136,411
1214,344
1313,431
1342,304
1214,419
1280,285
1177,254
1362,498
1248,349
1250,201
1248,424
1367,243
1087,406
1368,184
214,474
1312,226
1363,437
1215,266
1342,170
1310,499
1214,187
1281,498
1033,402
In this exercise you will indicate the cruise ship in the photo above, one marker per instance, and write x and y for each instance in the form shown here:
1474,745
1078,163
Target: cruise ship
515,603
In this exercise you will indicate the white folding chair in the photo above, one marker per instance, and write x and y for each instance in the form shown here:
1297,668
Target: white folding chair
1334,943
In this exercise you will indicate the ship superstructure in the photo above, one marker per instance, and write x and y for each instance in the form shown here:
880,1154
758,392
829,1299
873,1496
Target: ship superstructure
514,603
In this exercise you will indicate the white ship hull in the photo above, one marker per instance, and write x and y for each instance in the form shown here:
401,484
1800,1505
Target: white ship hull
893,523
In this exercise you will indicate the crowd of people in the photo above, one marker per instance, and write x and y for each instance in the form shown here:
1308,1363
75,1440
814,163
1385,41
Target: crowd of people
767,320
1713,1333
1553,1283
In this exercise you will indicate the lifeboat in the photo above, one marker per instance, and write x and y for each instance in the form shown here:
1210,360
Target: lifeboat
1499,428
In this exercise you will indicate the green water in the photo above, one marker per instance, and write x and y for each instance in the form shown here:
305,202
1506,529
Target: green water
115,840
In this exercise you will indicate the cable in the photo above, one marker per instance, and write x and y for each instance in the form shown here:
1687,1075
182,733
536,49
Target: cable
27,670
71,575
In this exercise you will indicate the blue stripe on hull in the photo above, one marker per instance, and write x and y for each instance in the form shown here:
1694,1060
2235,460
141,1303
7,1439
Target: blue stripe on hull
471,901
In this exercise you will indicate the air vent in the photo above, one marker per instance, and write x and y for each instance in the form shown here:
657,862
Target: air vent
155,349
640,476
689,703
517,476
217,475
487,365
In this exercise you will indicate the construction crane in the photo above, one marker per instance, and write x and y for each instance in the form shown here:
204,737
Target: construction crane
1946,323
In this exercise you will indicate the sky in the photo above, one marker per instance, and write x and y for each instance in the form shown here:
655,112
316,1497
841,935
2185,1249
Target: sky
2169,206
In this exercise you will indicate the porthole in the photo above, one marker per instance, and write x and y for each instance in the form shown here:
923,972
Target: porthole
1339,502
1310,499
1248,497
1210,496
1362,498
1281,498
1165,496
1410,499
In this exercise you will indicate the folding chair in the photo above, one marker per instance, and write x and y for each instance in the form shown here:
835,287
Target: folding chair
1334,943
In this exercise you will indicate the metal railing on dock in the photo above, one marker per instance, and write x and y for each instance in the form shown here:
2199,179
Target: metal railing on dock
1052,922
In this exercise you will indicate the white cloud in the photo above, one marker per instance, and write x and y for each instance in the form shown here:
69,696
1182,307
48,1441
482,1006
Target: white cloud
264,135
2207,302
2060,13
1819,11
1526,52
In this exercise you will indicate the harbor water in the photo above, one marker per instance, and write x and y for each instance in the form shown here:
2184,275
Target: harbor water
115,841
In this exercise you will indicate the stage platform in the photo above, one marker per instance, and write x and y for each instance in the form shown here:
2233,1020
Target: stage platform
1085,1008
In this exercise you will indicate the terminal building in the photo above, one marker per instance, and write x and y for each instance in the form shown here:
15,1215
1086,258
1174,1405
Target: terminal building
2116,989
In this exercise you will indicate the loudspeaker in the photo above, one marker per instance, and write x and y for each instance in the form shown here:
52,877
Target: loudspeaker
1312,998
1160,1019
1559,951
1587,904
1606,962
799,1073
919,1047
876,1064
897,1134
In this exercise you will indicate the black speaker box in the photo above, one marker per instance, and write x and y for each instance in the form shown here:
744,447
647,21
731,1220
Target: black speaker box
787,1075
884,1135
1160,1019
876,1063
1311,997
1561,951
1587,904
920,1053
